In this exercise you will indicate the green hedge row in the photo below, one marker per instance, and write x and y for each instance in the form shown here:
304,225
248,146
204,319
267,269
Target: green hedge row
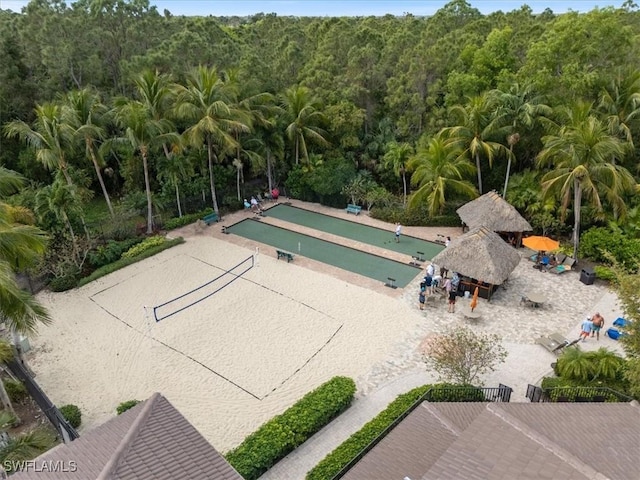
178,222
282,434
414,217
123,262
350,448
356,443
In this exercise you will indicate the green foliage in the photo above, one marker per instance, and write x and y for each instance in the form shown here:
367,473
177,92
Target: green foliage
111,251
124,406
413,217
604,273
146,244
461,355
596,243
26,446
16,390
282,434
72,414
123,262
356,443
64,283
178,222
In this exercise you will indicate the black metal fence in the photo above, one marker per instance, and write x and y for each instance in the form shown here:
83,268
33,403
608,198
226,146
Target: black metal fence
438,394
575,394
66,431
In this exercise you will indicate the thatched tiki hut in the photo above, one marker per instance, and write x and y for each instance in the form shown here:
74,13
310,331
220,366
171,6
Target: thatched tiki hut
493,212
482,259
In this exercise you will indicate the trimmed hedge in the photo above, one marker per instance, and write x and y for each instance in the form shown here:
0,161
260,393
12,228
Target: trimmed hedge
124,406
123,262
356,443
111,251
72,414
178,222
282,434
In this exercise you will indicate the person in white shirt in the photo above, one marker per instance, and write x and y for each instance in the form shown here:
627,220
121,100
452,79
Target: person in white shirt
398,231
431,270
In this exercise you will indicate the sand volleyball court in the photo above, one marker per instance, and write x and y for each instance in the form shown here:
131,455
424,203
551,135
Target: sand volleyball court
244,349
228,363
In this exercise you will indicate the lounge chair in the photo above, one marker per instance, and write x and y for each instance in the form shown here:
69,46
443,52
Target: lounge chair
553,342
569,262
558,269
620,322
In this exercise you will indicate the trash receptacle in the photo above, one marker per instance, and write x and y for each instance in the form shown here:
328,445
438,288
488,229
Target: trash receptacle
587,276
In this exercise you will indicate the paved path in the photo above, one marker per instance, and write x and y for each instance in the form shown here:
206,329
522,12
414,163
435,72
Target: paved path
296,465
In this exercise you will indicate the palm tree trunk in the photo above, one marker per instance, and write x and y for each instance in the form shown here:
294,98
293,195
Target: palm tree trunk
211,179
269,180
238,181
100,179
297,150
506,178
479,173
147,186
577,204
178,201
404,186
6,401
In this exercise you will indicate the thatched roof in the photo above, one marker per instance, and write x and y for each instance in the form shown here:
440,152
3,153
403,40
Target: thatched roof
480,254
495,213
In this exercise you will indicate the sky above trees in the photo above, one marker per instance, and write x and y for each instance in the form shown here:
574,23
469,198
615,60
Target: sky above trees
348,7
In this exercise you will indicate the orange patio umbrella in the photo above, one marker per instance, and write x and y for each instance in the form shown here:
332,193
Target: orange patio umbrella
545,244
474,300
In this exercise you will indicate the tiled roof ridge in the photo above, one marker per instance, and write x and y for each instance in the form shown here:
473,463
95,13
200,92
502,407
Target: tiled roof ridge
545,442
132,433
446,423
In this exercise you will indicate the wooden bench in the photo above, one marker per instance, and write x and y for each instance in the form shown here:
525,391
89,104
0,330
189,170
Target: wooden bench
353,209
283,254
391,283
211,218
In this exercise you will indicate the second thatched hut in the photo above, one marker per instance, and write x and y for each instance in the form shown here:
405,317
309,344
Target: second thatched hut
481,258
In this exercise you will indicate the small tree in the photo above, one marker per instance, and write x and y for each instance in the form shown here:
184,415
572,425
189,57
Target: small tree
461,355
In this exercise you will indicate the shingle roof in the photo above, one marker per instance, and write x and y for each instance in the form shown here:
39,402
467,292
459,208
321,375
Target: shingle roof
503,441
492,211
150,441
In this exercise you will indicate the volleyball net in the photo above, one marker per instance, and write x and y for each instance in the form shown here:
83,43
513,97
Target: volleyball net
204,291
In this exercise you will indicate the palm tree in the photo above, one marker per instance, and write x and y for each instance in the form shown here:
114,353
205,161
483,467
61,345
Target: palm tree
237,163
205,104
84,112
396,158
174,170
51,137
142,134
582,154
620,103
575,364
608,365
305,119
521,108
439,170
21,245
477,124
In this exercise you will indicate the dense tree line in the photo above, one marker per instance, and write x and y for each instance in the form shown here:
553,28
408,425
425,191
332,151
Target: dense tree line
112,99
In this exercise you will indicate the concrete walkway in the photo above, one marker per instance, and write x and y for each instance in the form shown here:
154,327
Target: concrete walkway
296,465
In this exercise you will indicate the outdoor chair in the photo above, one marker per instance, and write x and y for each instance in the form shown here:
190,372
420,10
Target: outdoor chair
553,342
569,262
620,322
558,269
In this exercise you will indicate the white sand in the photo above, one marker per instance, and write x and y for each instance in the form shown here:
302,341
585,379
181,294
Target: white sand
270,337
245,354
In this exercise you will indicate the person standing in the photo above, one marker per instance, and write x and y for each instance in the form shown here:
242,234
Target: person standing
447,242
451,295
598,323
422,295
587,326
398,231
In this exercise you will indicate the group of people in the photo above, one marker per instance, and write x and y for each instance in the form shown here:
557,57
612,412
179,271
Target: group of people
591,327
256,206
545,261
433,280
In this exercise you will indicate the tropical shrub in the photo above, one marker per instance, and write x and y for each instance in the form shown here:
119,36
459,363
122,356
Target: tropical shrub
178,222
111,251
604,273
146,244
123,262
72,414
64,283
16,390
124,406
283,433
597,243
